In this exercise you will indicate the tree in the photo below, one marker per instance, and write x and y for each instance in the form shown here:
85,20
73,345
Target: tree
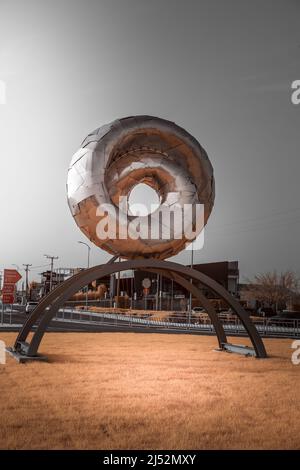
274,288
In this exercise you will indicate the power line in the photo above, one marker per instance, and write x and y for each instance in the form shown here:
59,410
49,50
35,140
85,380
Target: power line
41,266
254,219
271,225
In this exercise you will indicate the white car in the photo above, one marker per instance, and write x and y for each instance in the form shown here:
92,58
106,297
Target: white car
30,306
198,310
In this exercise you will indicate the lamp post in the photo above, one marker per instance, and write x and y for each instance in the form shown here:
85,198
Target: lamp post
88,265
191,280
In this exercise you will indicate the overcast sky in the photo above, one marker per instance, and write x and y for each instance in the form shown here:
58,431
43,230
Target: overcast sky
222,70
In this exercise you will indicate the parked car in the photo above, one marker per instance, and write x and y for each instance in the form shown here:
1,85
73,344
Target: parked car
266,312
198,310
30,306
199,315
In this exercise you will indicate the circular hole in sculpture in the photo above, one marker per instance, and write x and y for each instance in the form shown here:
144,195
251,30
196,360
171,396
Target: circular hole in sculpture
143,200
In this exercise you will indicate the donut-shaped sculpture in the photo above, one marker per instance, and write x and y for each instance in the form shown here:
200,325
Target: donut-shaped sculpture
139,149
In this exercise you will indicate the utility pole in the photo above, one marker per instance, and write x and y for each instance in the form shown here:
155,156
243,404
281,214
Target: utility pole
26,281
51,269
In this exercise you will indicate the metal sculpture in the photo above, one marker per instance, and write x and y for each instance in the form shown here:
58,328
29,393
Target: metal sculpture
139,149
111,161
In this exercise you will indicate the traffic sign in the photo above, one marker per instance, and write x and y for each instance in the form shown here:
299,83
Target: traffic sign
146,283
8,289
11,276
7,298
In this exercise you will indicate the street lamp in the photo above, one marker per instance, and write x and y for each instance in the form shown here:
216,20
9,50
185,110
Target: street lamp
88,265
191,281
89,249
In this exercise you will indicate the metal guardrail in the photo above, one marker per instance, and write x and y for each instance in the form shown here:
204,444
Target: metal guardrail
6,318
178,321
232,326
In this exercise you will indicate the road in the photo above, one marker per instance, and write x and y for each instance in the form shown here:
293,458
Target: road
74,320
87,322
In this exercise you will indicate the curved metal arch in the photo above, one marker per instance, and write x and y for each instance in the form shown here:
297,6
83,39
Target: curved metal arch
222,339
63,292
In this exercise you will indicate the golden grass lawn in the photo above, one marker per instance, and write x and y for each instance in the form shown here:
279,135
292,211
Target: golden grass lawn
149,391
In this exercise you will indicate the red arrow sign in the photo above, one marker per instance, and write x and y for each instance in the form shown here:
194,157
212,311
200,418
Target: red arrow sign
7,298
8,289
11,276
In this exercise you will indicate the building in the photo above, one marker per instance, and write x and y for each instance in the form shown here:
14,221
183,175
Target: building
148,290
166,293
225,273
49,279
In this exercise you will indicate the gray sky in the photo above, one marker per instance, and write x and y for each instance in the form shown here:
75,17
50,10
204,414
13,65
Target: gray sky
222,70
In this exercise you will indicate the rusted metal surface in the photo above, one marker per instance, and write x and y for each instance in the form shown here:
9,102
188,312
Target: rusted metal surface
139,149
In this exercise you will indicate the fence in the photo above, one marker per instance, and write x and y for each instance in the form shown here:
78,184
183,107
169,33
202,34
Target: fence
158,320
182,322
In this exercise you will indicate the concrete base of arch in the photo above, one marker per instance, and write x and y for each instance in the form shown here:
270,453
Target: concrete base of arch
48,307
